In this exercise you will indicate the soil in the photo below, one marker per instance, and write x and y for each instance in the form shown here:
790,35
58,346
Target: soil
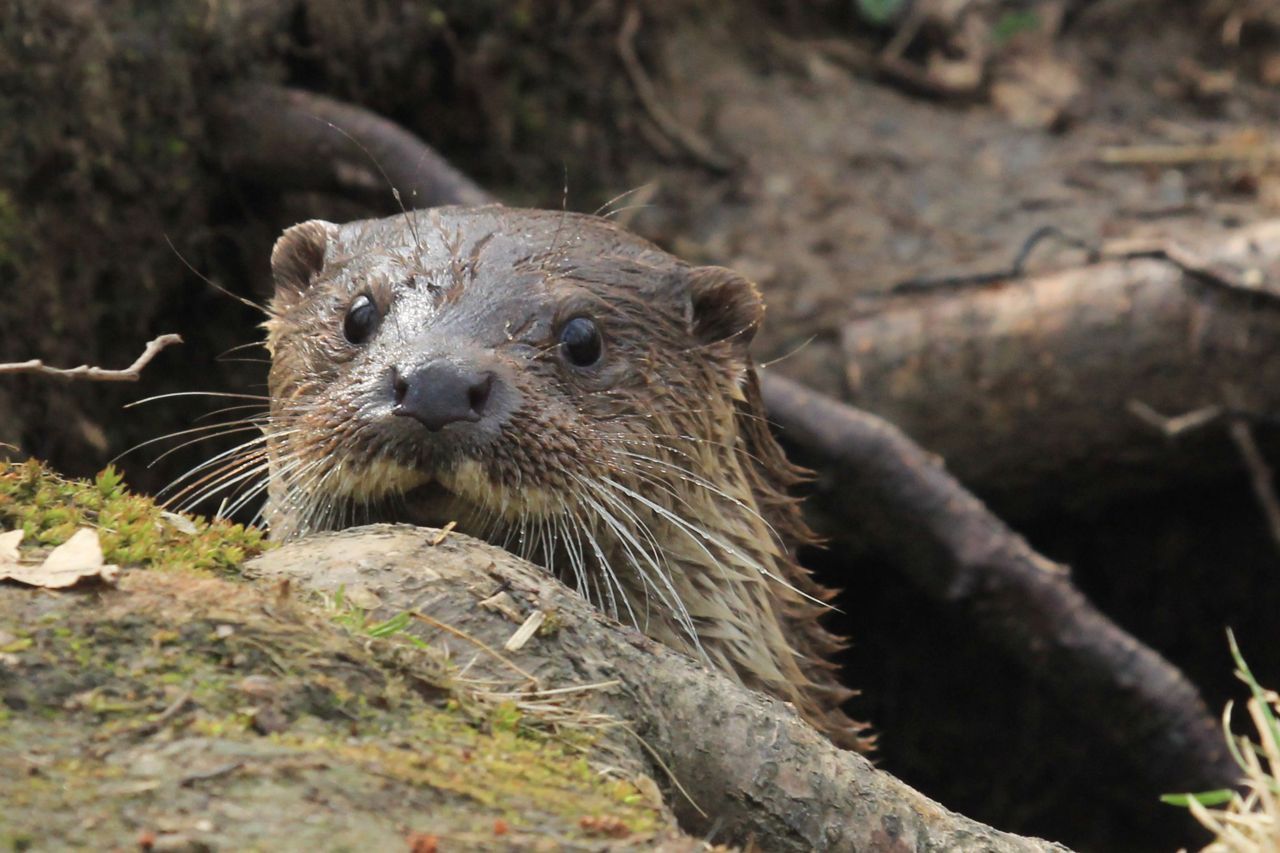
843,184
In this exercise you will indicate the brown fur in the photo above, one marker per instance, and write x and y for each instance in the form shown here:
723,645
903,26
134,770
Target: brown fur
650,481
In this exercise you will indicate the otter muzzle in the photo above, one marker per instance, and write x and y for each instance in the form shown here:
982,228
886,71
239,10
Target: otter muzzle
441,393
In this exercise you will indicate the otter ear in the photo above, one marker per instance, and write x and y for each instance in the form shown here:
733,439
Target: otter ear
298,256
723,306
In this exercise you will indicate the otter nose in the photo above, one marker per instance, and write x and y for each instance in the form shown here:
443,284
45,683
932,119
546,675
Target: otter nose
441,393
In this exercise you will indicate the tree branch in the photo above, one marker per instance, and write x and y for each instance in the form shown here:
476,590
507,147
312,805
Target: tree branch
132,373
1027,379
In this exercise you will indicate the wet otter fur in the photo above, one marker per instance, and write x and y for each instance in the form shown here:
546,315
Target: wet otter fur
569,391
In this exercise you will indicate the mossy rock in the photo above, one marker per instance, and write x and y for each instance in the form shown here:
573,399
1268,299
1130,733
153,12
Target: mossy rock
185,708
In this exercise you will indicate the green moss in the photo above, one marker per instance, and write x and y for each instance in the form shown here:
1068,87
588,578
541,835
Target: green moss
132,529
112,682
354,727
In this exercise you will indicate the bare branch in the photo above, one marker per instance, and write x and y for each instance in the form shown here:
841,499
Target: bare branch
132,373
1261,477
1172,427
1026,380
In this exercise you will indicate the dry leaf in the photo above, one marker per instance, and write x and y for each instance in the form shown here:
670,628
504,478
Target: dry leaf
9,543
78,558
180,523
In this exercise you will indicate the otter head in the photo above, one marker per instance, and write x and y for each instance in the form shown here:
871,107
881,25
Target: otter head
519,372
561,388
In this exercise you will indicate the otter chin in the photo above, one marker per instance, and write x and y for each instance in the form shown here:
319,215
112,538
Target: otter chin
566,390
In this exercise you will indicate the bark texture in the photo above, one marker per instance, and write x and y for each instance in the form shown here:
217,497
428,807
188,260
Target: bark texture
1029,385
740,765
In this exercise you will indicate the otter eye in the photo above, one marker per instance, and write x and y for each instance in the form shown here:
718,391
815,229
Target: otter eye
361,320
580,342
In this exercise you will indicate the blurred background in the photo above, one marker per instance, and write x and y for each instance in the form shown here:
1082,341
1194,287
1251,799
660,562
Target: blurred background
843,154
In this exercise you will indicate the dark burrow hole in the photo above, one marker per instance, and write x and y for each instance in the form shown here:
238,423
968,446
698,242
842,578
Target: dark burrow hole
964,724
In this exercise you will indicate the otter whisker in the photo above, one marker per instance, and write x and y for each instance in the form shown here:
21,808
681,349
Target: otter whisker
213,472
321,513
228,429
697,534
250,446
240,425
573,547
547,544
212,469
221,394
245,471
263,409
611,580
244,346
278,470
632,546
605,208
249,494
611,214
700,482
647,584
649,587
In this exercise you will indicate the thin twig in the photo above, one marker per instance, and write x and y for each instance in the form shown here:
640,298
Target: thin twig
1017,269
443,533
530,627
213,773
476,641
176,707
693,143
129,374
1260,474
1172,427
1187,155
1261,477
1251,281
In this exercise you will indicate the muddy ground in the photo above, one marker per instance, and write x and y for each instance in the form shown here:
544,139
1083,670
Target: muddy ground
842,180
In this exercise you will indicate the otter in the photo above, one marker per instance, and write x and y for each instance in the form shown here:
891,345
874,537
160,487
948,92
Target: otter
566,390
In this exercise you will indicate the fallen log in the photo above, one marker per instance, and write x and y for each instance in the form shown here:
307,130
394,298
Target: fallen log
1055,386
738,763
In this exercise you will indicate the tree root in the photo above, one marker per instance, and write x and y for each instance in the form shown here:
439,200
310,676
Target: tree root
741,765
291,139
954,549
